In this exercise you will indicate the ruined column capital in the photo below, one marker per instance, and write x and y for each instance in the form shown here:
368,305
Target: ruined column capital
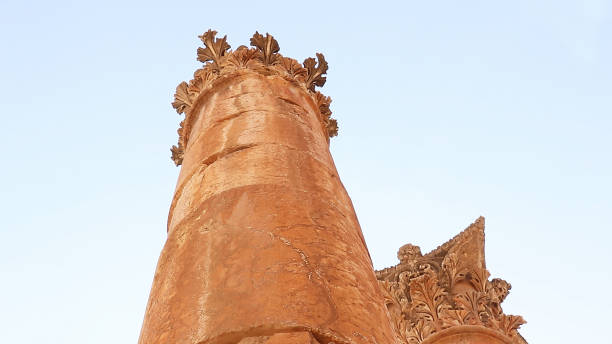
220,62
445,296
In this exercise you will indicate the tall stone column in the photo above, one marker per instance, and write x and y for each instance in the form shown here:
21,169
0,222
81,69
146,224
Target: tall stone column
263,242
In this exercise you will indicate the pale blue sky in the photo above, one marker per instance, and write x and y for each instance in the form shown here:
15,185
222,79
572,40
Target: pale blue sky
447,110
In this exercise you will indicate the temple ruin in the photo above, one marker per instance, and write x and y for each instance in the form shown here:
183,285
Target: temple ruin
263,242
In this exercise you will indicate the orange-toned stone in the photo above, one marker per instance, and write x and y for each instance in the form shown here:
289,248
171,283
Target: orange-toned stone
262,236
468,334
295,337
263,243
445,296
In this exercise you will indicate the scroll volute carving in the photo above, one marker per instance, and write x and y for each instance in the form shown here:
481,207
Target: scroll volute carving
426,294
220,61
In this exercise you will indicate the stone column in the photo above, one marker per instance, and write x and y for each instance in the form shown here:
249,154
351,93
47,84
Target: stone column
263,242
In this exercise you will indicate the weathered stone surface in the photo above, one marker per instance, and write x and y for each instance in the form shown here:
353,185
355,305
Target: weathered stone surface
222,63
445,296
300,337
262,236
468,334
295,337
263,243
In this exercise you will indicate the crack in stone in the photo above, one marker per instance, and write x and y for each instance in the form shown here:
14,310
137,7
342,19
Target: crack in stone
178,193
322,337
222,154
292,103
312,270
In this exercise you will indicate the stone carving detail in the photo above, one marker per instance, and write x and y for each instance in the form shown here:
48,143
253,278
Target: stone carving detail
315,71
447,287
219,61
215,49
267,48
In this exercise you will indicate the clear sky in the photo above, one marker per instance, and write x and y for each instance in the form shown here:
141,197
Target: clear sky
448,110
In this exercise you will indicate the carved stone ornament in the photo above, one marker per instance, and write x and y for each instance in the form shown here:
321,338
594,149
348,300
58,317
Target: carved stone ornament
448,287
220,61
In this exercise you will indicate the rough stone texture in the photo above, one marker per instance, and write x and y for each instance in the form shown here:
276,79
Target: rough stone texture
468,334
445,296
222,63
262,236
282,338
263,243
296,337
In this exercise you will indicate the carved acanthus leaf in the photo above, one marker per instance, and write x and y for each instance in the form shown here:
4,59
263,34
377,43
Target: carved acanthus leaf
202,78
323,103
419,331
243,57
215,48
394,299
293,69
177,155
219,62
267,46
428,297
315,71
509,324
473,302
440,290
457,317
182,101
478,278
179,151
332,127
